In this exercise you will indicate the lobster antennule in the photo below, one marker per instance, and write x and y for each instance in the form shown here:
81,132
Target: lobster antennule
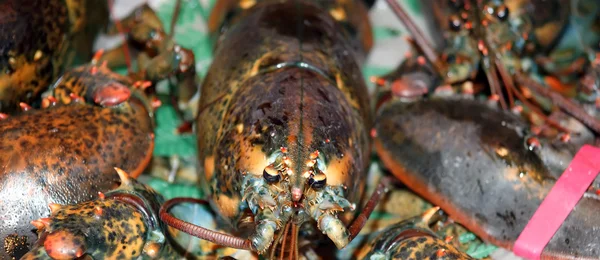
174,18
292,247
562,102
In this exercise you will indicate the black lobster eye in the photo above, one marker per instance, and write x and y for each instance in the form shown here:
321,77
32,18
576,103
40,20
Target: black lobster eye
455,23
502,12
317,181
271,174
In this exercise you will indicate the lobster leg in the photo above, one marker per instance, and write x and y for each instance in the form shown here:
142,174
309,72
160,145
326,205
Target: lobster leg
160,57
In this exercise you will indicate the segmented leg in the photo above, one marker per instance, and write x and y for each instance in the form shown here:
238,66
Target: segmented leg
159,57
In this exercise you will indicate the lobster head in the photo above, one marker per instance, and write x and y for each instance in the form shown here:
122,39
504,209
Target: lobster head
298,149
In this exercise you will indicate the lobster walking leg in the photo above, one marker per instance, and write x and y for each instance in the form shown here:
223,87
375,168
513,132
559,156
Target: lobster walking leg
159,57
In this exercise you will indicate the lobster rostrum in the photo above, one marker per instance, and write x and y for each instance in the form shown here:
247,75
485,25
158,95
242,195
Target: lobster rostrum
39,39
121,224
283,124
413,239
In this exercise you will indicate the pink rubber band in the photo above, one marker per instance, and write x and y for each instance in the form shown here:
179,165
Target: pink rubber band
557,205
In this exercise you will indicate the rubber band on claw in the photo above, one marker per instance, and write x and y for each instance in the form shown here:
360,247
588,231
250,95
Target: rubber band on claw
559,203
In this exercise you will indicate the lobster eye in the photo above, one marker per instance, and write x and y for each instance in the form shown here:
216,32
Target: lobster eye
502,12
455,23
317,181
271,174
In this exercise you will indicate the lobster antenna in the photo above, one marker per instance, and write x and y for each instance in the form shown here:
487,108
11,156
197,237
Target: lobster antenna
489,58
562,102
510,87
174,18
198,231
417,34
119,26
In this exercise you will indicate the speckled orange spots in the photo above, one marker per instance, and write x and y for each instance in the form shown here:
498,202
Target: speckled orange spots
252,159
338,170
228,206
209,166
57,33
66,154
63,245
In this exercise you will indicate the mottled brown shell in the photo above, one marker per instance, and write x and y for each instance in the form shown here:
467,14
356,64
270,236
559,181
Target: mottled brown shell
39,39
474,162
122,224
66,154
248,111
413,239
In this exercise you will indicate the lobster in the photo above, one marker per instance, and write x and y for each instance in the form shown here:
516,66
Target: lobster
124,223
494,170
36,49
65,151
94,120
283,125
413,239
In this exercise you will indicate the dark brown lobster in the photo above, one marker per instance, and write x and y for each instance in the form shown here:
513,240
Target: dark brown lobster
283,124
486,166
39,39
62,149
